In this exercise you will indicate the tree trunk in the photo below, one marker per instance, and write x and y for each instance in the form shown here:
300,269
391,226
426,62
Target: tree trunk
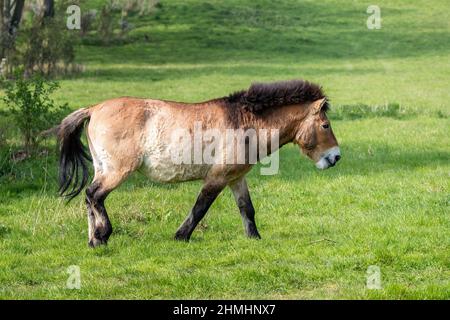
10,16
4,12
16,17
49,8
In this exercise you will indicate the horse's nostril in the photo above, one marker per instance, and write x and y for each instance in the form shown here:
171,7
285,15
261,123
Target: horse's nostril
337,158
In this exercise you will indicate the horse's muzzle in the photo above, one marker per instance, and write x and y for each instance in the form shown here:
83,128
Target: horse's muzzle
329,158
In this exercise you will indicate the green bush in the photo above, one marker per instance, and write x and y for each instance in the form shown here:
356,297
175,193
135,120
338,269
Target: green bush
106,24
43,44
47,47
31,107
2,128
5,161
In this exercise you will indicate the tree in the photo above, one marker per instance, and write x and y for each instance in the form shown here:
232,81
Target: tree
49,8
29,102
10,16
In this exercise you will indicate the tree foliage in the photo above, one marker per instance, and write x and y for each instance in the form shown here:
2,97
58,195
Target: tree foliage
29,102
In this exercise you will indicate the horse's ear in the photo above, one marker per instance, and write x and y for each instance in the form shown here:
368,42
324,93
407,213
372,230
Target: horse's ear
320,104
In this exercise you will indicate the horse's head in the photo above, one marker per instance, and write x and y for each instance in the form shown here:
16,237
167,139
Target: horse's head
315,136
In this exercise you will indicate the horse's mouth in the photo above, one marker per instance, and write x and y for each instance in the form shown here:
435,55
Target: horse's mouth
325,163
330,164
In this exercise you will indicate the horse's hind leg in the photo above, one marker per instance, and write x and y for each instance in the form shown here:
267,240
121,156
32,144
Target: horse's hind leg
100,227
115,155
244,202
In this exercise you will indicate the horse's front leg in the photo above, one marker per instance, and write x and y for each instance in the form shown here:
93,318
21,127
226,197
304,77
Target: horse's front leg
244,202
207,195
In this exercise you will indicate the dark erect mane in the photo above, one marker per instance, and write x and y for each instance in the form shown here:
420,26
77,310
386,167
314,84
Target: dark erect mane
263,96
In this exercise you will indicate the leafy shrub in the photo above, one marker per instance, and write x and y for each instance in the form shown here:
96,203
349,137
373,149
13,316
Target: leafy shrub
43,44
5,161
30,105
105,27
116,14
87,20
3,121
48,48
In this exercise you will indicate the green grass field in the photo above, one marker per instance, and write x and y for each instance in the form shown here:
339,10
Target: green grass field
385,204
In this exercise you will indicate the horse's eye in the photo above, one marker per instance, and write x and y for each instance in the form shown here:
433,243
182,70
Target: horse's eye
325,126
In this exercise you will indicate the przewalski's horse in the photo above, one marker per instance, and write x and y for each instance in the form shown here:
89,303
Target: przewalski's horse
129,134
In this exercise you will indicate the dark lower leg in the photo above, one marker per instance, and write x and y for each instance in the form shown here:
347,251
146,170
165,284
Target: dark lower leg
204,200
103,227
244,202
248,219
100,227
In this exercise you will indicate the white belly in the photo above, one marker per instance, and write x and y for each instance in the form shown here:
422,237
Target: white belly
161,169
158,162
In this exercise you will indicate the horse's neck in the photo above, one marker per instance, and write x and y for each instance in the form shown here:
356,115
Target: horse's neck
286,120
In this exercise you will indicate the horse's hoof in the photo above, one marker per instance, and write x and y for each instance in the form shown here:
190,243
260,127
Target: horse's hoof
254,236
101,236
96,242
181,237
102,232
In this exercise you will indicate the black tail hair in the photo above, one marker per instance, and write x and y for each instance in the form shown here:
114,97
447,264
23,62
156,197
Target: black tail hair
73,154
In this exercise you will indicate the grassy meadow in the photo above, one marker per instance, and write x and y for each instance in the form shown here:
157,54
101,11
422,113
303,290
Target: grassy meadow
385,204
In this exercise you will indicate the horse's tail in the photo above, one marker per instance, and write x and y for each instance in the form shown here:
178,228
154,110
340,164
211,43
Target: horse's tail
73,155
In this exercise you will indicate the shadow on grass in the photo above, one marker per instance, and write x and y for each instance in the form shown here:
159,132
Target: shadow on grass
258,70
